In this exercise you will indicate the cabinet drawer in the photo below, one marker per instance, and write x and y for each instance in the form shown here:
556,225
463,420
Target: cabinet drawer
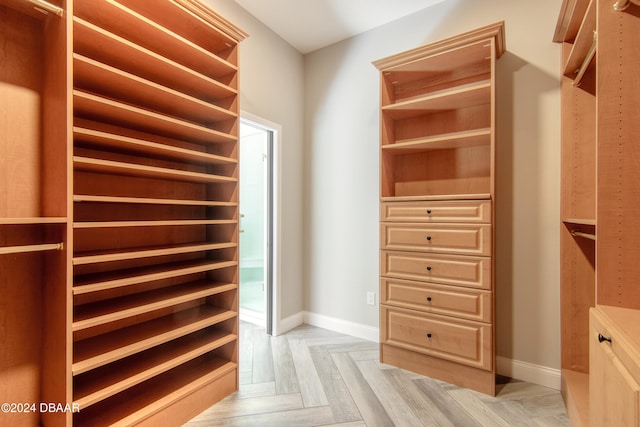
473,272
437,211
461,341
469,239
614,380
438,299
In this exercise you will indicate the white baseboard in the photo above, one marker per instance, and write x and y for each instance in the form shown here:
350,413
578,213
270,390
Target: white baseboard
346,327
524,371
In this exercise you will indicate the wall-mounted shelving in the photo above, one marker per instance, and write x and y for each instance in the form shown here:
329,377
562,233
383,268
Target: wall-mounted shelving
119,209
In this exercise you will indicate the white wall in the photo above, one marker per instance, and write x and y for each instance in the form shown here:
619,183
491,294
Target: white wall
271,87
341,133
331,172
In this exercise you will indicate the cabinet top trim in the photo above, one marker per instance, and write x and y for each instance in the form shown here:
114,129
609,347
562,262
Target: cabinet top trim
490,31
205,13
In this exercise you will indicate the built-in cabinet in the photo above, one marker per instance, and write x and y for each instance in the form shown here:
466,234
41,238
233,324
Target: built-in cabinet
599,198
118,210
437,193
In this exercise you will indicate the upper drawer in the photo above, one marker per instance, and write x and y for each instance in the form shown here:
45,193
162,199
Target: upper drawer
473,272
461,341
438,299
437,211
470,239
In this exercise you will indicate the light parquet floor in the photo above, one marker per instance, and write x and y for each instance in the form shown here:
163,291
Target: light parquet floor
315,377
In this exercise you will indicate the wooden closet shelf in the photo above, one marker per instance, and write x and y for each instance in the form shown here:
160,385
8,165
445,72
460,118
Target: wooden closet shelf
449,99
153,396
579,221
150,201
121,255
103,109
97,43
126,143
106,281
163,223
192,21
480,196
33,220
102,312
94,76
131,169
439,142
140,30
583,43
102,383
100,350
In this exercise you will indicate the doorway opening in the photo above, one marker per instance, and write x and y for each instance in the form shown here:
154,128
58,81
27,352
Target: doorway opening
257,272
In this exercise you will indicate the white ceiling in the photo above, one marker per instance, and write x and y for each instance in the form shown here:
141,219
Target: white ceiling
308,25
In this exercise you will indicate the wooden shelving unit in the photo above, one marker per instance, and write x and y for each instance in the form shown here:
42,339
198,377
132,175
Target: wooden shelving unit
599,186
33,208
437,195
155,211
119,209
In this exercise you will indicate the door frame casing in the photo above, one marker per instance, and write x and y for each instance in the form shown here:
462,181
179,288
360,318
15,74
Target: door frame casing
274,233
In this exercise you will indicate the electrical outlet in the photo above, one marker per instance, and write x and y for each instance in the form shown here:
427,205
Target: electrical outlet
371,298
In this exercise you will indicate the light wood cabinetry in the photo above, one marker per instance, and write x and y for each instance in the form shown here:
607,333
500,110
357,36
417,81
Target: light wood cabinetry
119,123
614,359
599,204
437,171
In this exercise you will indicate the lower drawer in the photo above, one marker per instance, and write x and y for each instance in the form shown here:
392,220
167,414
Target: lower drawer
458,270
466,342
438,299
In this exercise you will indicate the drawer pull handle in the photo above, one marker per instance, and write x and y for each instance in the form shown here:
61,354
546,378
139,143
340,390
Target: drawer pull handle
428,237
429,268
429,335
428,211
428,299
602,338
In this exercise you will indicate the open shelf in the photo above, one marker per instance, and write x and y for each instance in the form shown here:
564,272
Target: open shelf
91,353
166,223
99,313
583,44
120,255
151,397
96,77
132,169
181,20
86,104
438,142
150,201
457,97
97,43
106,281
147,33
33,220
102,383
122,142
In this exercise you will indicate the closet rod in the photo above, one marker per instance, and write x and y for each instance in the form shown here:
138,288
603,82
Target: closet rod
587,60
31,248
585,235
46,6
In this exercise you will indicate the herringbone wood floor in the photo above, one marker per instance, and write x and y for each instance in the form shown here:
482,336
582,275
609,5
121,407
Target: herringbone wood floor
315,377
